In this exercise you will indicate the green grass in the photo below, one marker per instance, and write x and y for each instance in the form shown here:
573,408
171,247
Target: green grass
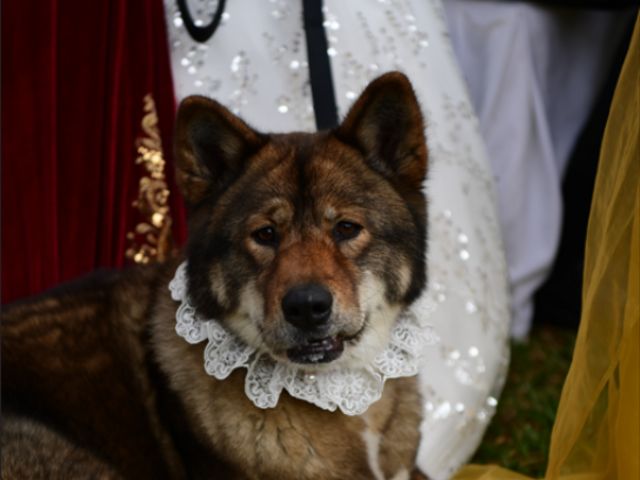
518,436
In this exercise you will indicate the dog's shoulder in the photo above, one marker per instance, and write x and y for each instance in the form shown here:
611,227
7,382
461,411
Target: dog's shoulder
73,326
76,360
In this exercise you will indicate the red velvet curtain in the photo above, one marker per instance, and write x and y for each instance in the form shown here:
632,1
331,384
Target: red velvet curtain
74,75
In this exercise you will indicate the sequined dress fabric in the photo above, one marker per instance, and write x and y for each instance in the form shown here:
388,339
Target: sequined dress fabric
256,64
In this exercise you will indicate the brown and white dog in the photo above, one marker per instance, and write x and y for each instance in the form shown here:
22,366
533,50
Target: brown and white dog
306,246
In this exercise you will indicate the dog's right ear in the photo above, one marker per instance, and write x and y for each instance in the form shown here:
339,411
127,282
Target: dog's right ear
211,147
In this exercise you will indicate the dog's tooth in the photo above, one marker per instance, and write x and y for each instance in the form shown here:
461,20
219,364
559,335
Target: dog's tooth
314,358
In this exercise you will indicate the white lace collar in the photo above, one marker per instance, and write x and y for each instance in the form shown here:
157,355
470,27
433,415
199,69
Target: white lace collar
350,390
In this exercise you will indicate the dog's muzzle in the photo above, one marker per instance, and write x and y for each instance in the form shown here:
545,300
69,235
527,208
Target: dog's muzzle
308,308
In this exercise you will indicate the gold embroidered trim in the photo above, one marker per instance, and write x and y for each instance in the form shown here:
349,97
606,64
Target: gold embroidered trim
151,239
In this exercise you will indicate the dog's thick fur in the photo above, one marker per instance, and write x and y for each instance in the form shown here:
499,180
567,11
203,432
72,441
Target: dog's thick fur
96,383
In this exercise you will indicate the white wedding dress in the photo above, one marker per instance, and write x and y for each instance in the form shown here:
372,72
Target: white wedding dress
256,64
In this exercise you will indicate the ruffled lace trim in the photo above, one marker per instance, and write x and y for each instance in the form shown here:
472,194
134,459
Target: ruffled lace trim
350,390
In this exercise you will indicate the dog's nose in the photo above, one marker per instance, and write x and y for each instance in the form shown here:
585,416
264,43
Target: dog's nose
307,306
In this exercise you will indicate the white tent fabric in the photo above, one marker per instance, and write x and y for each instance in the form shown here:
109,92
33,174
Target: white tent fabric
533,74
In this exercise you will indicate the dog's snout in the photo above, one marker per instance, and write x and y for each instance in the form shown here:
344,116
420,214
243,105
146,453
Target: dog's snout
307,306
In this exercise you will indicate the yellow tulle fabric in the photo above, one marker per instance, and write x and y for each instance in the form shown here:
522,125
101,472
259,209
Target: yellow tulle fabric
596,435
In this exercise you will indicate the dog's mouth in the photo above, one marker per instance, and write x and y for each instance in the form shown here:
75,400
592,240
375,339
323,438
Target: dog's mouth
322,350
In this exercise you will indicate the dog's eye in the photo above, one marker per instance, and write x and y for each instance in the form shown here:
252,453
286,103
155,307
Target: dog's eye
266,236
346,231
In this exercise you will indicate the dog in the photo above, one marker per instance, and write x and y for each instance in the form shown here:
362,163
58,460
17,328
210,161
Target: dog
305,246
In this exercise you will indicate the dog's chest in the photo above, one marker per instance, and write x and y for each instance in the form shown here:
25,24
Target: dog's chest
296,440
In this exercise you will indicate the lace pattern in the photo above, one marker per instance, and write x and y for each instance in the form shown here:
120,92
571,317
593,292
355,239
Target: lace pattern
351,391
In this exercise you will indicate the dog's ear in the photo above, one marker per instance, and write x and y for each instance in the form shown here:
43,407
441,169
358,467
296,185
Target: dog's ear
211,147
386,125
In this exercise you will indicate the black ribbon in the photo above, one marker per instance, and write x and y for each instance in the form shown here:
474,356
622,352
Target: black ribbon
322,91
200,34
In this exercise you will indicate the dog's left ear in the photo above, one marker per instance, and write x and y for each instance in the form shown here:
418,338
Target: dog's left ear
211,147
386,125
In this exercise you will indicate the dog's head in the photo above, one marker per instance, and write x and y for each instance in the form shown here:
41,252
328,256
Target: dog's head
307,246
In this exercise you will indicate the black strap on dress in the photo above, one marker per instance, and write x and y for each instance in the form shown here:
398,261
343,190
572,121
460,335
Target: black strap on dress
322,91
200,34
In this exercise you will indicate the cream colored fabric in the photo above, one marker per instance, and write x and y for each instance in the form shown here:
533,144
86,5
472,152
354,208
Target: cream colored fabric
597,430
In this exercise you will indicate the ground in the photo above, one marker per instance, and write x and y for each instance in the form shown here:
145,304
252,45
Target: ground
518,436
